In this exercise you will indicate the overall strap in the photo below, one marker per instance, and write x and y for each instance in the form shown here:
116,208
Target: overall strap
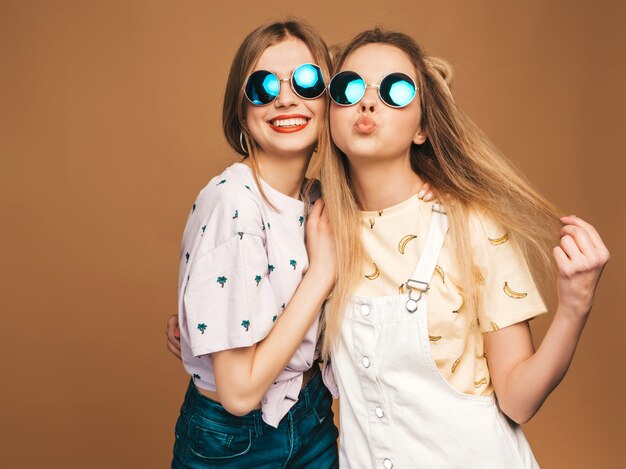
420,280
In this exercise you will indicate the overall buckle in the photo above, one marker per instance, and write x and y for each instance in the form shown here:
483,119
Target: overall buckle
420,287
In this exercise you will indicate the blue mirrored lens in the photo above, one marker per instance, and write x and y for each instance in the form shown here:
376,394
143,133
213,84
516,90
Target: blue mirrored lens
262,87
397,90
308,81
347,88
355,91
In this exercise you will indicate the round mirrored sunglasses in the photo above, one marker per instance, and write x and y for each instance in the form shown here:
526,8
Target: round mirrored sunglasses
262,87
396,90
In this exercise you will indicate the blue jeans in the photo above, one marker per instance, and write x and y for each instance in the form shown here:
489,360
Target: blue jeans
208,436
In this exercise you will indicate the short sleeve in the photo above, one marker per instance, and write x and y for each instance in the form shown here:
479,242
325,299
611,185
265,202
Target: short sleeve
508,293
228,300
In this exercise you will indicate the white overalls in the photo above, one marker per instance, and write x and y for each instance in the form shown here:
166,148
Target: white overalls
396,410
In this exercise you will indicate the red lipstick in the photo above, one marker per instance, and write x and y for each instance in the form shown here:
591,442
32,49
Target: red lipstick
289,123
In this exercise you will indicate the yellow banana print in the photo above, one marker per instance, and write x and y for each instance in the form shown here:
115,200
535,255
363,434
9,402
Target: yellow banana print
439,271
494,326
513,294
404,241
401,289
455,364
480,382
434,338
375,275
501,240
380,213
372,221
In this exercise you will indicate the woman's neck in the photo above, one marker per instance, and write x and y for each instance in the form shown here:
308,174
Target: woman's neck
381,184
286,175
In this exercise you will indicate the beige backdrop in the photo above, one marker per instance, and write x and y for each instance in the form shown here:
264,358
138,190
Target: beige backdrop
110,125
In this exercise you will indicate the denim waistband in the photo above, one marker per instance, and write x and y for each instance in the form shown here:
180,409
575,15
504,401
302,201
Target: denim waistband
309,398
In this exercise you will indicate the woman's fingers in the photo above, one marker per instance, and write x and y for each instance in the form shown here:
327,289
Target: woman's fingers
316,211
590,241
570,248
561,258
426,193
589,229
581,238
172,332
174,350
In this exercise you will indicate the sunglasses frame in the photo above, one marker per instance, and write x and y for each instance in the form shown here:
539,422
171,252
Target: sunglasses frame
415,86
281,81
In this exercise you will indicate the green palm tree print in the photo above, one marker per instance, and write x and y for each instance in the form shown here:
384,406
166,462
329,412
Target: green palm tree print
186,257
203,228
257,279
283,306
274,318
196,376
293,263
221,182
301,220
240,233
202,327
193,209
245,324
270,269
236,214
221,281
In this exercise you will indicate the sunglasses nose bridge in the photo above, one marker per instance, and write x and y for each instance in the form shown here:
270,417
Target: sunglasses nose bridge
287,95
369,99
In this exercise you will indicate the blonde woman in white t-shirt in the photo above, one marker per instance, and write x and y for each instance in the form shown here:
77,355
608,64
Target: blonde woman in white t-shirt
428,321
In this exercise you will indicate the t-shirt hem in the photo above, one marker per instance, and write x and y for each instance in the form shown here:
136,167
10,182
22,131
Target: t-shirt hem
511,320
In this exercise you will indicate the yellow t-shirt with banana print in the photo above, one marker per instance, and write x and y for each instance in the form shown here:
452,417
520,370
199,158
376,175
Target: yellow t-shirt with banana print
393,239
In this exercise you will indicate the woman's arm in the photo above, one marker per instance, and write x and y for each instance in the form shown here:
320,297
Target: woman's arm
172,331
243,375
523,378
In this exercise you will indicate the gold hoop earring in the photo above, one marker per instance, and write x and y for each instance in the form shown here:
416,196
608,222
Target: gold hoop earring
243,149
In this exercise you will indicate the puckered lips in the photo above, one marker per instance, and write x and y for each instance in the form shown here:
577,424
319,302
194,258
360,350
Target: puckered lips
289,123
365,125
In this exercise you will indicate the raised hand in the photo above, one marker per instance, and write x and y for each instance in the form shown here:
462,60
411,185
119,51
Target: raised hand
580,259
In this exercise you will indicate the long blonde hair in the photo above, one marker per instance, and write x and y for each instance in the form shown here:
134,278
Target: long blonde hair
461,164
233,111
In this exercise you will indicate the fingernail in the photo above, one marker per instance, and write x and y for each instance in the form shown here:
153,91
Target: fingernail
421,193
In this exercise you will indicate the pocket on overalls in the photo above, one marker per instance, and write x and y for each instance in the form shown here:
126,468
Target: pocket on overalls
214,441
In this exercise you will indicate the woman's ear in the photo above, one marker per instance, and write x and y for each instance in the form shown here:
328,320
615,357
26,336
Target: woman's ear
420,137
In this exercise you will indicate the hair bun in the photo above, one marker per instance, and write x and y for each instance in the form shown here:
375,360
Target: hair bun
442,67
442,71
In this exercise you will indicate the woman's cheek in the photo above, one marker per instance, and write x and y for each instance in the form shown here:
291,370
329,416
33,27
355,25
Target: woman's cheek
338,128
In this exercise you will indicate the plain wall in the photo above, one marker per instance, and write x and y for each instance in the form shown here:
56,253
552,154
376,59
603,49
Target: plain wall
110,125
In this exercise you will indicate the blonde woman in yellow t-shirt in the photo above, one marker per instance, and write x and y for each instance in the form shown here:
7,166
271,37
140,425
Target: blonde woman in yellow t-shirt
429,316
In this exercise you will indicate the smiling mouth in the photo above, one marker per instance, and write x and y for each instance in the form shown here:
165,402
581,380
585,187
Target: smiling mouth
292,124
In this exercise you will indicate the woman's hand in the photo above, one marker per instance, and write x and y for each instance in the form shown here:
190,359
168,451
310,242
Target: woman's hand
580,259
426,193
320,245
172,332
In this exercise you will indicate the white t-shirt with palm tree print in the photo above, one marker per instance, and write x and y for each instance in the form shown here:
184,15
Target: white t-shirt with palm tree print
241,262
